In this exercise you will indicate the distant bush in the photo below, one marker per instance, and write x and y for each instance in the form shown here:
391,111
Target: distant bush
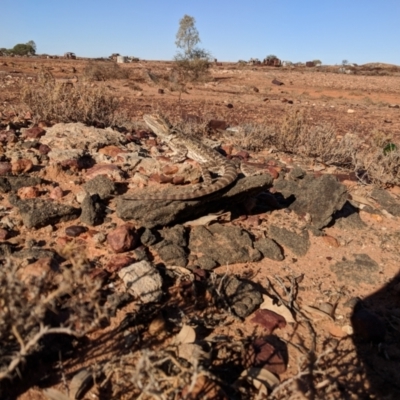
103,71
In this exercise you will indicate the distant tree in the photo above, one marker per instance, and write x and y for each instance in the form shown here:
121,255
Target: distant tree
345,62
271,57
23,49
317,61
187,36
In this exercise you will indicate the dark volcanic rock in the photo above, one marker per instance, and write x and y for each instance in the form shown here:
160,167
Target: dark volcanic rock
223,244
360,270
298,244
176,235
388,202
152,213
242,297
13,183
37,213
320,197
269,249
348,218
100,185
92,211
171,254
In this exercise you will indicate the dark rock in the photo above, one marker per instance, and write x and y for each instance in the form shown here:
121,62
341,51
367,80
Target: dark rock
229,105
123,238
215,124
101,185
348,218
37,213
162,213
242,297
223,244
36,253
5,249
360,270
385,200
92,211
44,149
176,235
13,183
269,249
276,82
298,244
148,237
75,230
320,197
206,263
171,254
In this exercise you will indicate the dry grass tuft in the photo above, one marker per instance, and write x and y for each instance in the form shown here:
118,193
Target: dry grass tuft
56,102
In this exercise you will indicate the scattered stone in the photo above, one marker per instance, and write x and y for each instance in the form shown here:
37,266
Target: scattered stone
387,201
276,82
56,193
28,192
225,245
4,234
320,197
171,254
271,354
92,211
117,263
34,133
229,105
5,168
102,186
13,183
298,244
110,171
176,235
215,124
269,249
242,297
123,238
350,111
331,241
21,166
348,218
75,230
269,320
148,238
142,280
362,269
37,213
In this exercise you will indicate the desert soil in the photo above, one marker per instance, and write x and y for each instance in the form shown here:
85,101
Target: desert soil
330,273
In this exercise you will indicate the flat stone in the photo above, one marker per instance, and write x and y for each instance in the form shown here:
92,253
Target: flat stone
387,201
362,269
269,249
298,244
101,185
37,213
223,244
320,197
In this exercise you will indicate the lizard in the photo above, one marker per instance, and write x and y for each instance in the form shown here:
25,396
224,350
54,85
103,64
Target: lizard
186,146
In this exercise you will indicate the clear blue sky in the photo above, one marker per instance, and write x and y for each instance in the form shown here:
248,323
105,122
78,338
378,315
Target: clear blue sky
359,31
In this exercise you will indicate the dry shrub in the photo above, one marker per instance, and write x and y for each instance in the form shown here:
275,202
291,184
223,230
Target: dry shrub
103,71
56,102
64,300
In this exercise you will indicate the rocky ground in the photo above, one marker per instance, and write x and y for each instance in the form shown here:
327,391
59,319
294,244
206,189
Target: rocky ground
288,278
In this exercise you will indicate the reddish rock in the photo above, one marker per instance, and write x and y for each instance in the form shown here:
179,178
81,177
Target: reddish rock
178,180
71,164
243,155
118,262
28,192
111,171
160,91
34,133
44,149
36,270
331,241
21,166
169,169
111,151
160,178
56,193
75,230
269,320
227,148
270,354
5,168
4,234
122,239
